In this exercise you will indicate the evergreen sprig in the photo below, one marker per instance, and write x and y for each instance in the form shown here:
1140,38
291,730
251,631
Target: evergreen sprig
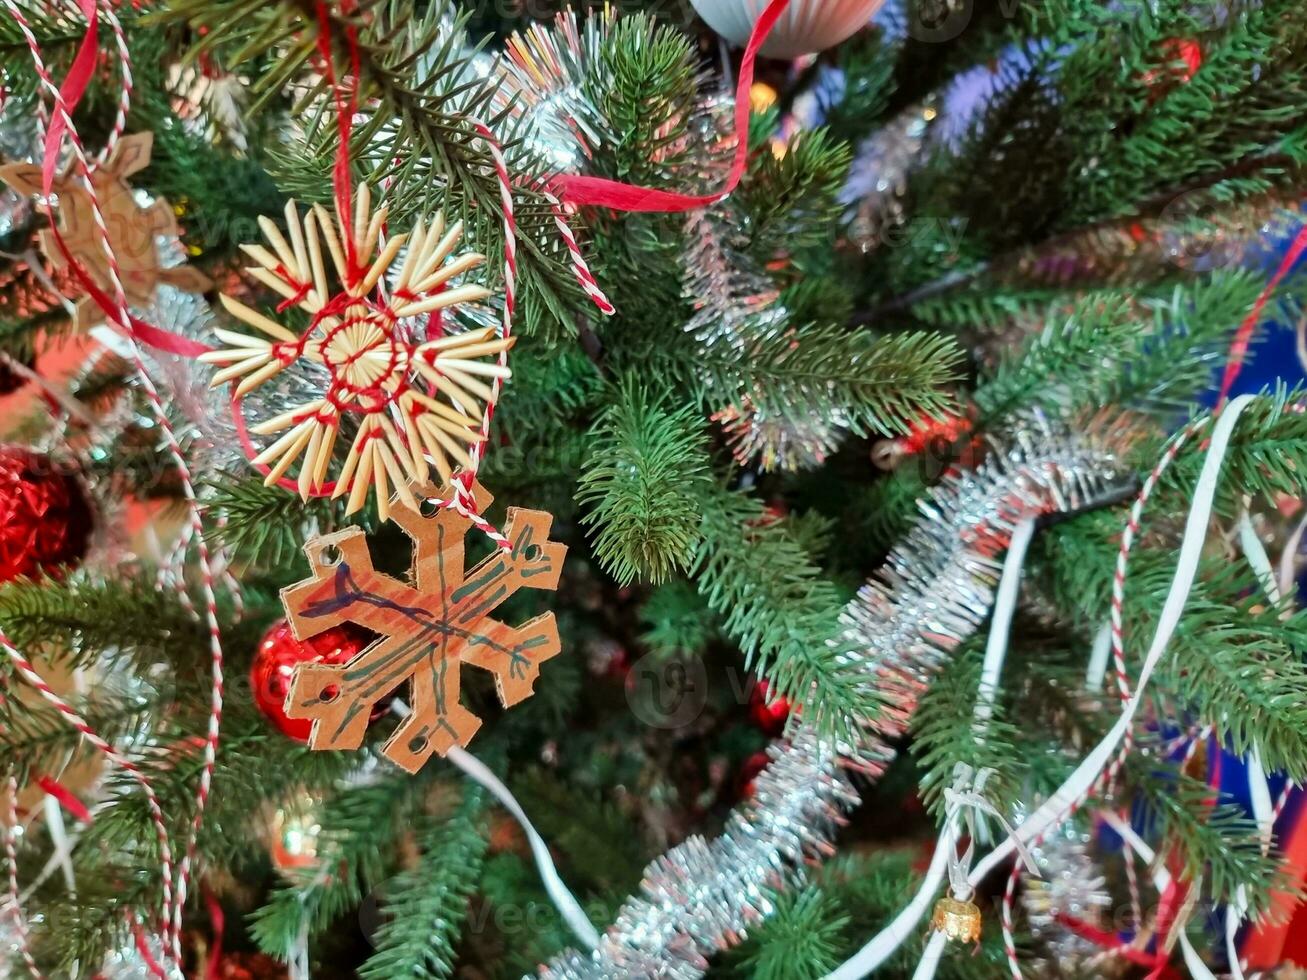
425,905
360,833
647,470
946,737
126,619
881,384
421,92
755,573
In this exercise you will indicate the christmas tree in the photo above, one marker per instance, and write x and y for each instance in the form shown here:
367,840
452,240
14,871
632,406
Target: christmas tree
752,490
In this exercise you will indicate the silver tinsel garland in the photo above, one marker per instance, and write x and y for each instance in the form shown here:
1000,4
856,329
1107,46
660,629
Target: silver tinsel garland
878,178
935,590
736,305
1071,883
544,87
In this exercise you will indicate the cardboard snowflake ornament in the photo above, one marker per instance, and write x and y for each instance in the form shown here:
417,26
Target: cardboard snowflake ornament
429,627
132,229
401,385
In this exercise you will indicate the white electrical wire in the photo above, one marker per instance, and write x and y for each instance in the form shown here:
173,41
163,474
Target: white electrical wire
564,901
890,938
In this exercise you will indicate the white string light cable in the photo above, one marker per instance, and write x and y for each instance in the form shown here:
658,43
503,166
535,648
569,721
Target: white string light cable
945,862
564,901
991,670
1082,781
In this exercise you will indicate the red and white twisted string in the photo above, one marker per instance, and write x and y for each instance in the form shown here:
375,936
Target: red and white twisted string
125,96
462,500
120,316
29,674
579,267
11,865
1128,536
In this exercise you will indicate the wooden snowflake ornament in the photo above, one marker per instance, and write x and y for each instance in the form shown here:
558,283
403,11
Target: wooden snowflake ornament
428,626
409,391
132,230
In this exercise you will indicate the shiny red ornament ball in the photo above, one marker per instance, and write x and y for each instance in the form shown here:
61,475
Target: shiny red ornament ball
278,655
45,518
767,712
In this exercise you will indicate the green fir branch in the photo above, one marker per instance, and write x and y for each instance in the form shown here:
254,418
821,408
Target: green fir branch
360,837
426,904
755,573
946,737
647,470
79,621
882,384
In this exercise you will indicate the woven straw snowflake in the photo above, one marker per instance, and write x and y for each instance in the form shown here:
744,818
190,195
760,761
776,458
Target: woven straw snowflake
400,387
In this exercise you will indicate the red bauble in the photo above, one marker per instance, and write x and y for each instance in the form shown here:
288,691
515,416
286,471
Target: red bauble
767,712
280,653
247,966
45,519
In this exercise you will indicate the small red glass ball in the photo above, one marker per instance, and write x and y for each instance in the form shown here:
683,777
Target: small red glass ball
278,655
768,713
45,518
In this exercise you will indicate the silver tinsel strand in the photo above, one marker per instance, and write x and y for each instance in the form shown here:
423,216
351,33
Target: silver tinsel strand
735,305
734,299
935,590
702,895
544,88
1071,883
938,584
775,440
878,178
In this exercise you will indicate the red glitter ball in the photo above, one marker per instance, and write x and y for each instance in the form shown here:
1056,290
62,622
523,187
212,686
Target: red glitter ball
280,653
45,518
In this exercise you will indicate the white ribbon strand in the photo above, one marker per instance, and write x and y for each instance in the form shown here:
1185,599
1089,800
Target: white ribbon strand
564,901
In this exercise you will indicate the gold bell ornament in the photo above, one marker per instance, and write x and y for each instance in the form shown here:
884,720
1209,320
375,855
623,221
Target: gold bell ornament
958,921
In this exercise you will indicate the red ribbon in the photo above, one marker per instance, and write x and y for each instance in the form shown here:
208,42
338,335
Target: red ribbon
216,920
346,106
1244,335
72,90
1110,941
64,797
598,191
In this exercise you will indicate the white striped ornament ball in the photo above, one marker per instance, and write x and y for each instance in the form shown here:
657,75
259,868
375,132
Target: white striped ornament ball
806,27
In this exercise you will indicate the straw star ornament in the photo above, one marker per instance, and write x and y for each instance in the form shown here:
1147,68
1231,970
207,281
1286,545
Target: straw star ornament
403,389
